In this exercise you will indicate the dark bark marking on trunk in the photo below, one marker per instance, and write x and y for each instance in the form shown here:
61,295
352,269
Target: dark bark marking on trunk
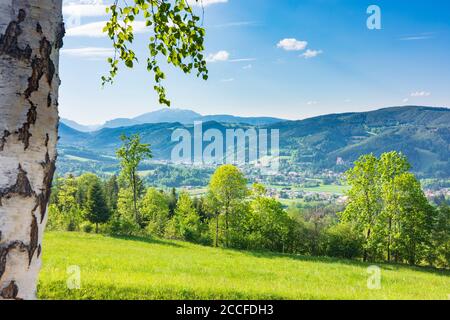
47,138
24,132
8,41
34,236
10,292
49,100
41,66
38,28
22,187
6,134
39,251
4,251
42,199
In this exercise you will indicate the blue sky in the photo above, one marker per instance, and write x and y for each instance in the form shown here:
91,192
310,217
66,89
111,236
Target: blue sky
287,58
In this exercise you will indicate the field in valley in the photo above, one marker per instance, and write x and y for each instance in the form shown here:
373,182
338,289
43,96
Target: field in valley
121,268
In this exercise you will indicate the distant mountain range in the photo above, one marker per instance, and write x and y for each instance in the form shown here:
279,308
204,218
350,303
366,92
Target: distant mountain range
170,115
327,142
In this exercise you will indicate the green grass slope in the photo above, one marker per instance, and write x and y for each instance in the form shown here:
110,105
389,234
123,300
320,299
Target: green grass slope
118,268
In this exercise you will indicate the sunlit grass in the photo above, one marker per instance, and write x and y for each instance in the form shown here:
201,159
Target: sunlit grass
115,268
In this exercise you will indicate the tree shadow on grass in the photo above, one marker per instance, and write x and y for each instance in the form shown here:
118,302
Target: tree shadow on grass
305,258
148,240
425,269
349,262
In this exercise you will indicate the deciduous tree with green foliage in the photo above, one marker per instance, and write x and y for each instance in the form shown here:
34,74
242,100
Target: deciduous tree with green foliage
364,205
387,204
66,211
186,220
131,154
415,220
213,207
123,221
229,187
177,37
390,166
155,212
269,224
439,251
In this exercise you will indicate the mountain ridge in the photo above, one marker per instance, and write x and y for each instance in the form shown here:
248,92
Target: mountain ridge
421,133
183,116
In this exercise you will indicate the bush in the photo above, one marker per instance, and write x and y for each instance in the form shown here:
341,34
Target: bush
342,242
55,219
71,226
87,227
122,225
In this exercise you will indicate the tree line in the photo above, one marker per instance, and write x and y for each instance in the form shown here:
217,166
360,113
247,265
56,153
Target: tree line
387,216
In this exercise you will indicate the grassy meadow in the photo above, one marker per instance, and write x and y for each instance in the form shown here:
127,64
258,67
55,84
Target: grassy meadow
133,268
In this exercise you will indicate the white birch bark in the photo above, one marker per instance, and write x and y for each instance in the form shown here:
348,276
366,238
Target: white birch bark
31,34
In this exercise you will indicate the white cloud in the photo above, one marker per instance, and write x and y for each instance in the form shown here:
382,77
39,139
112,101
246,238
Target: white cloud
218,56
84,10
292,44
227,80
421,94
247,67
311,53
311,103
243,60
405,100
88,52
415,38
95,29
224,56
420,36
205,3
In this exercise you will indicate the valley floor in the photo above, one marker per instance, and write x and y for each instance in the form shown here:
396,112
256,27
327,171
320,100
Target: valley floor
132,268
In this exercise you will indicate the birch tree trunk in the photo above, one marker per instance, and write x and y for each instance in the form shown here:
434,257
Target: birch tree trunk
31,33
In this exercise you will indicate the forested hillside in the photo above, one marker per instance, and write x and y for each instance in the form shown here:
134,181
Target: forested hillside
421,133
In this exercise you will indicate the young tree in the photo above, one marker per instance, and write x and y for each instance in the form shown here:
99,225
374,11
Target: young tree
186,219
31,33
67,193
131,154
96,209
68,208
123,221
155,212
213,207
228,186
112,192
